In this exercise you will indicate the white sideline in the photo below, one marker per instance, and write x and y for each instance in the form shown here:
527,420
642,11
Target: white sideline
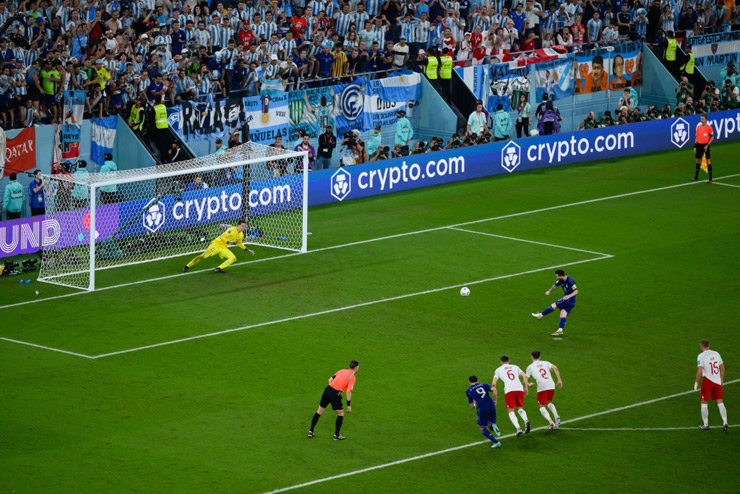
348,307
448,450
46,347
494,218
646,429
728,185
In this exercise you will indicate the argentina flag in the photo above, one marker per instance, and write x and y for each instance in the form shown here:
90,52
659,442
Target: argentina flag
103,137
404,87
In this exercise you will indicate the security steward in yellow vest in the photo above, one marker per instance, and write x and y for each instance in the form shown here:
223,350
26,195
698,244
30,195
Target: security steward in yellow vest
689,65
445,71
137,116
670,50
160,116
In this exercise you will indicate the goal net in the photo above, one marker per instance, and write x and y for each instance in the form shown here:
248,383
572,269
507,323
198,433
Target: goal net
108,218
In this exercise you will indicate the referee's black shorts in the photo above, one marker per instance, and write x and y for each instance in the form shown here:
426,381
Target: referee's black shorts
332,396
699,151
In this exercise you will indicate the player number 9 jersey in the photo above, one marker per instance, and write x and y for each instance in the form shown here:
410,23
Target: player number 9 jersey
509,374
540,371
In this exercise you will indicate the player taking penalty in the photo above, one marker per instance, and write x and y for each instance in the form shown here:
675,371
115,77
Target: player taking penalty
711,373
540,371
342,380
479,398
220,247
565,304
513,392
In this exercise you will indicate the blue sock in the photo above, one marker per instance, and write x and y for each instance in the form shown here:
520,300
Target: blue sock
547,311
488,434
562,323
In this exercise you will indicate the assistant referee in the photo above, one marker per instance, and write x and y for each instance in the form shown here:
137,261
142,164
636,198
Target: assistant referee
704,137
342,380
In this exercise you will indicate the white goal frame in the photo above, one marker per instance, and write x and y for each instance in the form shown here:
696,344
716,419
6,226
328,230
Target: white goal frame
94,181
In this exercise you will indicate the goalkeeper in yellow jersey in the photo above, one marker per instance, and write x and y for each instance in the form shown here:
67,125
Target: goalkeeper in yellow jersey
220,247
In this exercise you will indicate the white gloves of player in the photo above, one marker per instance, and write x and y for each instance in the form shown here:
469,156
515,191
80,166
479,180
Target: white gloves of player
696,385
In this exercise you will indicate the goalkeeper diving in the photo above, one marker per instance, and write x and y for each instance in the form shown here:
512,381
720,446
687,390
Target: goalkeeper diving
220,247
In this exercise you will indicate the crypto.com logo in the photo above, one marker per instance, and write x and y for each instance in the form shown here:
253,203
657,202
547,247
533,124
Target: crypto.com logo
680,133
153,219
511,156
341,184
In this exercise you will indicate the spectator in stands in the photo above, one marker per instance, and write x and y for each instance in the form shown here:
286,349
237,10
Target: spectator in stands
501,123
175,153
327,143
196,184
13,198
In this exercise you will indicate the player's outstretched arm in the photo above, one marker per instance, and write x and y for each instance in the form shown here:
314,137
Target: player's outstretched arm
557,374
553,287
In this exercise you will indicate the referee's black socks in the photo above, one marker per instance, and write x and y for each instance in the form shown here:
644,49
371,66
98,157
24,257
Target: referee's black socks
338,427
314,420
709,167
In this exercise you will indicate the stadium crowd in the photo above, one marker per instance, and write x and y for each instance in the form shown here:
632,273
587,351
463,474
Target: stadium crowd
167,51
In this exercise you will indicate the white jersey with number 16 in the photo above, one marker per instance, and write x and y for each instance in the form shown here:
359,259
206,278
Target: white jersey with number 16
540,371
509,374
710,361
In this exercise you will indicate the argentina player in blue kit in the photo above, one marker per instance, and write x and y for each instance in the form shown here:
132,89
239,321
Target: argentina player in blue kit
478,397
565,304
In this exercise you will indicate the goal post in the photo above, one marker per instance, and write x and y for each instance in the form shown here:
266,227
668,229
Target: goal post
110,218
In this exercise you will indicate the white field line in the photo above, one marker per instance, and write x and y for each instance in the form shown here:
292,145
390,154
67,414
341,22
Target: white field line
727,185
529,241
348,307
456,448
360,242
46,347
646,429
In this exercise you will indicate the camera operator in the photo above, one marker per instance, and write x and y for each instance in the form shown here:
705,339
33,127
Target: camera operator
589,122
484,137
419,148
349,148
729,72
684,90
455,142
729,95
381,154
436,145
607,120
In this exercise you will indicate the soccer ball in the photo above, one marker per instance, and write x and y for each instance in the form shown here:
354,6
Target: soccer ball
464,291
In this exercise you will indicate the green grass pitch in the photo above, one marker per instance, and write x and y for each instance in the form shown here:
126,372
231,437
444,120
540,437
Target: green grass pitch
656,272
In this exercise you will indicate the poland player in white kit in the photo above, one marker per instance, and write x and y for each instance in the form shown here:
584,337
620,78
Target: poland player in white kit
540,371
513,392
711,373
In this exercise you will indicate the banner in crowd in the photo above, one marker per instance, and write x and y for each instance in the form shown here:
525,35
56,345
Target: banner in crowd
20,152
592,71
103,137
383,102
506,82
267,117
311,111
626,66
475,78
716,49
67,135
349,106
554,78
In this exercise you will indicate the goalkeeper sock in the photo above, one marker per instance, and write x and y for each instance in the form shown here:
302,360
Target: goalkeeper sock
195,261
489,435
547,311
314,420
338,426
562,323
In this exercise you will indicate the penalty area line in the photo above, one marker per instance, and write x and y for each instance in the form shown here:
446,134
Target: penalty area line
469,445
377,239
58,350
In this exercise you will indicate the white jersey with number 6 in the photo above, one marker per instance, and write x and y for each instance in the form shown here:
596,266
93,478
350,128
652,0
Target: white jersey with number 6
509,374
540,371
710,361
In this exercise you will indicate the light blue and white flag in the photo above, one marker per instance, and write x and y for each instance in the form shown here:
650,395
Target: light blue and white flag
554,78
349,106
103,137
271,88
404,87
